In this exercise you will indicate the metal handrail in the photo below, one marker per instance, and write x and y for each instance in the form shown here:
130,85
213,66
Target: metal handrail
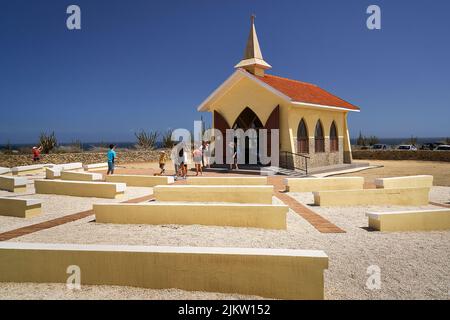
288,153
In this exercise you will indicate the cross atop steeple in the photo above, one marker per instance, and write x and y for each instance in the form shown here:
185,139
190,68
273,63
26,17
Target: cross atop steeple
253,60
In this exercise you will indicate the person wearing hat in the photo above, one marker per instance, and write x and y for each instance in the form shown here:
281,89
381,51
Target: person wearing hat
162,161
37,153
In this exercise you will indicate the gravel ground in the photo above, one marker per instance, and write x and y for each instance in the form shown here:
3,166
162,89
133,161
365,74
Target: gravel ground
56,291
55,206
414,265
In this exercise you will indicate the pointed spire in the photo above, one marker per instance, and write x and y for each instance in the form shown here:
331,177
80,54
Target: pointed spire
253,60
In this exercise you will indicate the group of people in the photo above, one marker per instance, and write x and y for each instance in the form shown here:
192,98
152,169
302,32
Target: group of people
200,157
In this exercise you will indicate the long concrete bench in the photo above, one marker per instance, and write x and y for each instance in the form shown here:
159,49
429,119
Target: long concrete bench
80,188
418,220
271,273
422,181
234,181
230,214
400,196
5,171
73,166
323,184
237,194
140,180
55,171
20,208
28,170
96,166
13,184
80,176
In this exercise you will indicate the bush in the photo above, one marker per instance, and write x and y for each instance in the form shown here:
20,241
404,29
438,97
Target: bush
146,140
48,142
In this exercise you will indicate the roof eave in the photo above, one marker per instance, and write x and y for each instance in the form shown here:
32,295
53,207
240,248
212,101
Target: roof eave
325,106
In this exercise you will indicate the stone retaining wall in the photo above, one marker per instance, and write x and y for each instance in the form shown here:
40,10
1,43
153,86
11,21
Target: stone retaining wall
85,157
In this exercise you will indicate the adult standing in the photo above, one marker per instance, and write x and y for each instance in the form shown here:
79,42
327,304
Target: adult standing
206,155
111,159
197,155
37,153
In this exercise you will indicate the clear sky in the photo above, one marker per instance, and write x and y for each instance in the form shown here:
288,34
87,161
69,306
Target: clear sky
149,64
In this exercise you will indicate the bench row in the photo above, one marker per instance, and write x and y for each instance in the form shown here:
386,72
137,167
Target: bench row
355,183
234,215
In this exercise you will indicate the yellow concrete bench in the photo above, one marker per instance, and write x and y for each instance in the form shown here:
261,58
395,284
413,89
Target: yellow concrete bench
80,176
271,273
418,220
323,184
96,166
13,184
422,181
53,173
140,180
73,166
230,214
28,170
20,208
401,196
80,188
235,181
5,171
238,194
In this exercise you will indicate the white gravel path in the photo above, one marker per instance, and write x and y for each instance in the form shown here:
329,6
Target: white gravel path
55,206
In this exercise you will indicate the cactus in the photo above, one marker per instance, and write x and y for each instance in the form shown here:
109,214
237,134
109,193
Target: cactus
146,140
167,139
48,142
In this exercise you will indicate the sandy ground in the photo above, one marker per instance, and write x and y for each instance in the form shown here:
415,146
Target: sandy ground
439,170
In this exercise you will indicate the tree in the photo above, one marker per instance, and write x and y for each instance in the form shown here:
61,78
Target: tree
361,141
373,140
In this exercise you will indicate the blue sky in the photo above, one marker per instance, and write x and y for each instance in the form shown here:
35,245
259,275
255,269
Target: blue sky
148,64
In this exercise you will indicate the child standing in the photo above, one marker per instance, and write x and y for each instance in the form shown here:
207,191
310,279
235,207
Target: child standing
111,159
162,161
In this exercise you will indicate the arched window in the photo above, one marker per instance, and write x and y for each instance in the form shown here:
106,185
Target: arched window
302,138
334,142
318,138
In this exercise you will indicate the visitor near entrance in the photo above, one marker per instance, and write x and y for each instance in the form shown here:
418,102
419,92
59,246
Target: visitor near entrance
197,155
206,154
111,159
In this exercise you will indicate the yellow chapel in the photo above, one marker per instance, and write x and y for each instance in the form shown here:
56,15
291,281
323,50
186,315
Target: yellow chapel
312,122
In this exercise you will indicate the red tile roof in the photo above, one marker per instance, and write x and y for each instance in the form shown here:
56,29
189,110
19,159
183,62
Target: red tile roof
305,92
